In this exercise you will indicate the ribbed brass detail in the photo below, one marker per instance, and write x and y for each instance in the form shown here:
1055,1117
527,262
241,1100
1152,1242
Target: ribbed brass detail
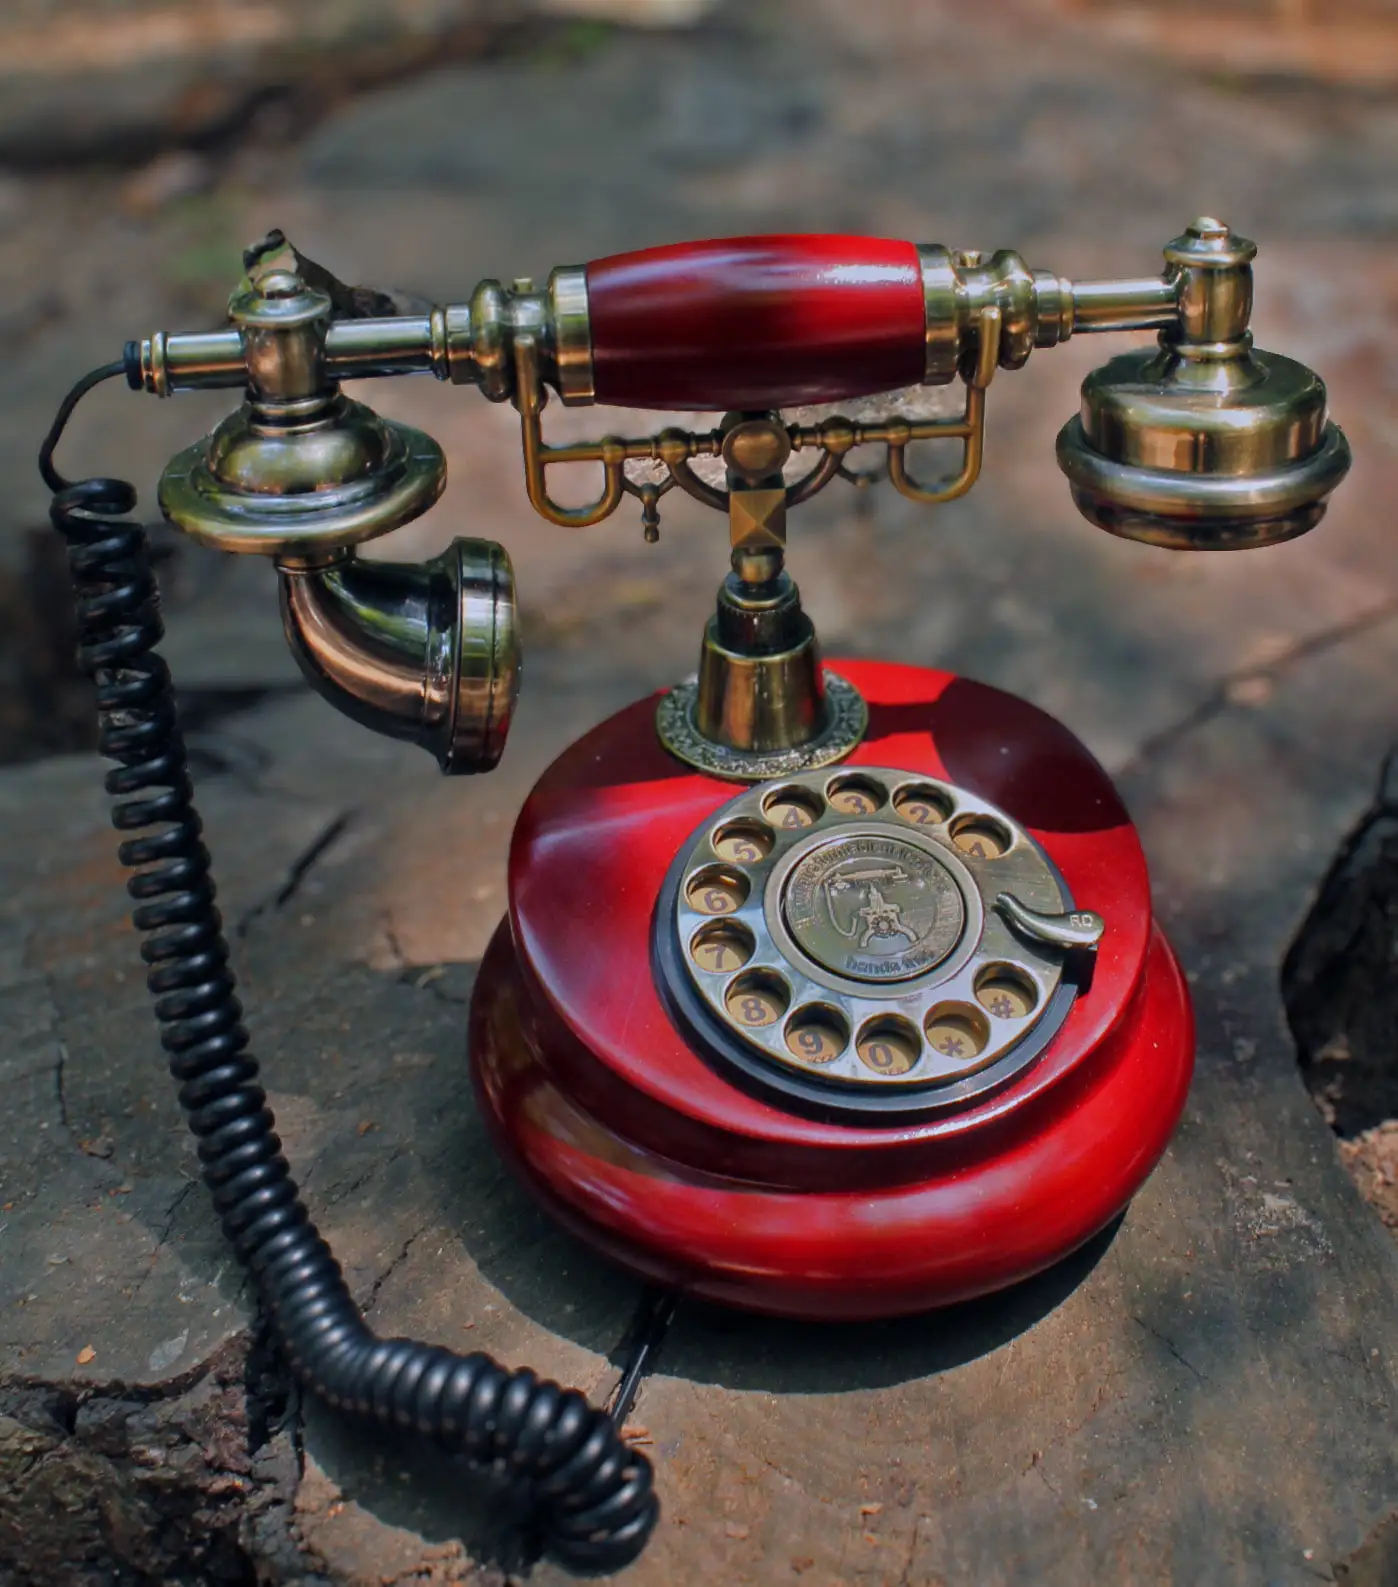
572,334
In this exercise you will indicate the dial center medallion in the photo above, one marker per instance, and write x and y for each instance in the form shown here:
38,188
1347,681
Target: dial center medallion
873,908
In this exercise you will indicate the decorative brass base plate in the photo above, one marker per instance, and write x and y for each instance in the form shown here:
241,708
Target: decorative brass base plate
872,930
847,722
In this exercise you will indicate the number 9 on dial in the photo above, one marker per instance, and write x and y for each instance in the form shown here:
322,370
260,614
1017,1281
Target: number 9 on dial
816,1037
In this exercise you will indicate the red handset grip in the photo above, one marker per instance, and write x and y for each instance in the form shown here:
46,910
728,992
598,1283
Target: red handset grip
756,322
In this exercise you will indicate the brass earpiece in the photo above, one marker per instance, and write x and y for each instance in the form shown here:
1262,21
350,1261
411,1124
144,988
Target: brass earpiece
1204,443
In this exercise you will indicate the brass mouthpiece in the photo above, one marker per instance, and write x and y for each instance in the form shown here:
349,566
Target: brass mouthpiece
428,653
424,652
1204,444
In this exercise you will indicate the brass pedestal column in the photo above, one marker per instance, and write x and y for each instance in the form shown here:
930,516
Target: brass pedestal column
760,685
761,706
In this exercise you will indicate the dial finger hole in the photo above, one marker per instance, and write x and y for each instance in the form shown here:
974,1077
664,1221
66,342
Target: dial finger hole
957,1030
923,805
716,890
889,1045
722,949
792,808
980,837
1006,992
743,842
854,796
757,998
816,1034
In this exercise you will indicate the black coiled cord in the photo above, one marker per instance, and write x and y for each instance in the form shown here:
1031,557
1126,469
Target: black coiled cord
591,1497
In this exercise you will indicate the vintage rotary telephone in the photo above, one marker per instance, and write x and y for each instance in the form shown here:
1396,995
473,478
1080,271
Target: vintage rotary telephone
878,1018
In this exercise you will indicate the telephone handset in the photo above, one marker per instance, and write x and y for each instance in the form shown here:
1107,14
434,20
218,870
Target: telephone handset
826,990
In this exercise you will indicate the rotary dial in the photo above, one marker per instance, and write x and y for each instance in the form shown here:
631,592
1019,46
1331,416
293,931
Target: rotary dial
874,931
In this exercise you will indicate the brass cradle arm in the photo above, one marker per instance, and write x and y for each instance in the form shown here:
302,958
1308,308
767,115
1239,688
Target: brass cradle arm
463,343
515,345
1199,443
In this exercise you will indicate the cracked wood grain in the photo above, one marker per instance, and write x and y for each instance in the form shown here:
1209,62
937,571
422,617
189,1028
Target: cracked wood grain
1170,1349
1234,686
395,1262
297,872
60,1059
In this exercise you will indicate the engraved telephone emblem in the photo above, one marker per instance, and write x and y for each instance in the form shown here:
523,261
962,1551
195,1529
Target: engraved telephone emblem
874,907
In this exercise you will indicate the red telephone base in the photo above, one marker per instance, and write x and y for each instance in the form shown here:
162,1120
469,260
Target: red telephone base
655,1157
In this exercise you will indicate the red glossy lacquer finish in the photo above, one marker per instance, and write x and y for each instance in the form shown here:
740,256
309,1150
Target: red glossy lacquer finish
657,1158
756,322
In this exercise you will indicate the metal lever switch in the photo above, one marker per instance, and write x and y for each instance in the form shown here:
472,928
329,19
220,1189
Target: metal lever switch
1082,929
